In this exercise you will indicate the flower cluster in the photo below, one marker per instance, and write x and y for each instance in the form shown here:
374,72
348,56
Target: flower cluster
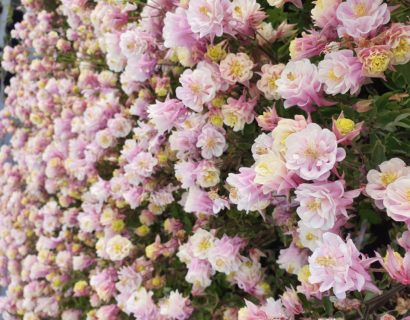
153,168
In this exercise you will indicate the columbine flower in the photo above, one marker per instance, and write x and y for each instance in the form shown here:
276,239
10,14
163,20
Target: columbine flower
237,112
245,193
341,71
291,301
236,68
224,255
375,60
397,199
299,85
247,14
201,242
321,203
211,141
280,3
177,32
292,259
324,14
345,129
361,18
313,152
378,181
271,309
397,266
397,37
338,265
267,83
197,87
209,17
309,45
165,115
118,248
175,306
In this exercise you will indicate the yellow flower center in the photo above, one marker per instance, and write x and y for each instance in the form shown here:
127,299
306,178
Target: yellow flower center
238,11
331,75
236,68
204,244
310,236
314,205
272,83
360,10
345,126
378,62
204,10
326,261
311,152
408,195
291,76
216,52
402,50
387,178
219,262
195,88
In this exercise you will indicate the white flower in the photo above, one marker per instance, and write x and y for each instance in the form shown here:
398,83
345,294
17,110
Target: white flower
118,248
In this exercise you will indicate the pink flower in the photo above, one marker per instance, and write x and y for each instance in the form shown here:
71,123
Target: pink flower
397,199
210,17
199,274
313,152
166,115
197,87
108,312
104,283
309,45
361,18
141,166
321,203
338,265
299,85
176,307
134,43
280,3
404,240
378,181
270,310
238,112
324,14
267,83
177,32
119,126
245,193
292,259
397,266
291,301
236,68
141,305
397,37
345,129
211,141
198,201
248,15
224,255
375,60
341,71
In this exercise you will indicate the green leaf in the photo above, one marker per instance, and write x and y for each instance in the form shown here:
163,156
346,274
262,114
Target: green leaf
404,70
328,306
367,213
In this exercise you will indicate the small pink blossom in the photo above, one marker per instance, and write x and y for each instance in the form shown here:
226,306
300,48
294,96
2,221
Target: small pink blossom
299,85
211,141
397,266
166,115
238,112
321,203
313,152
292,259
245,193
341,71
338,265
267,83
378,181
309,45
210,17
224,255
397,199
176,307
361,18
197,87
345,129
236,68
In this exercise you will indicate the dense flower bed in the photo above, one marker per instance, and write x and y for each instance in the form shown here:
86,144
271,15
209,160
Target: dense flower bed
207,159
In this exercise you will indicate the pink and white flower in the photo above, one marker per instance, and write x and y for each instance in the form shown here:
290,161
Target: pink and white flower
341,71
312,152
338,265
397,199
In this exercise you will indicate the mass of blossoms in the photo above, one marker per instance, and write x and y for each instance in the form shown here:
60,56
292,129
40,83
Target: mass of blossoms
206,159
